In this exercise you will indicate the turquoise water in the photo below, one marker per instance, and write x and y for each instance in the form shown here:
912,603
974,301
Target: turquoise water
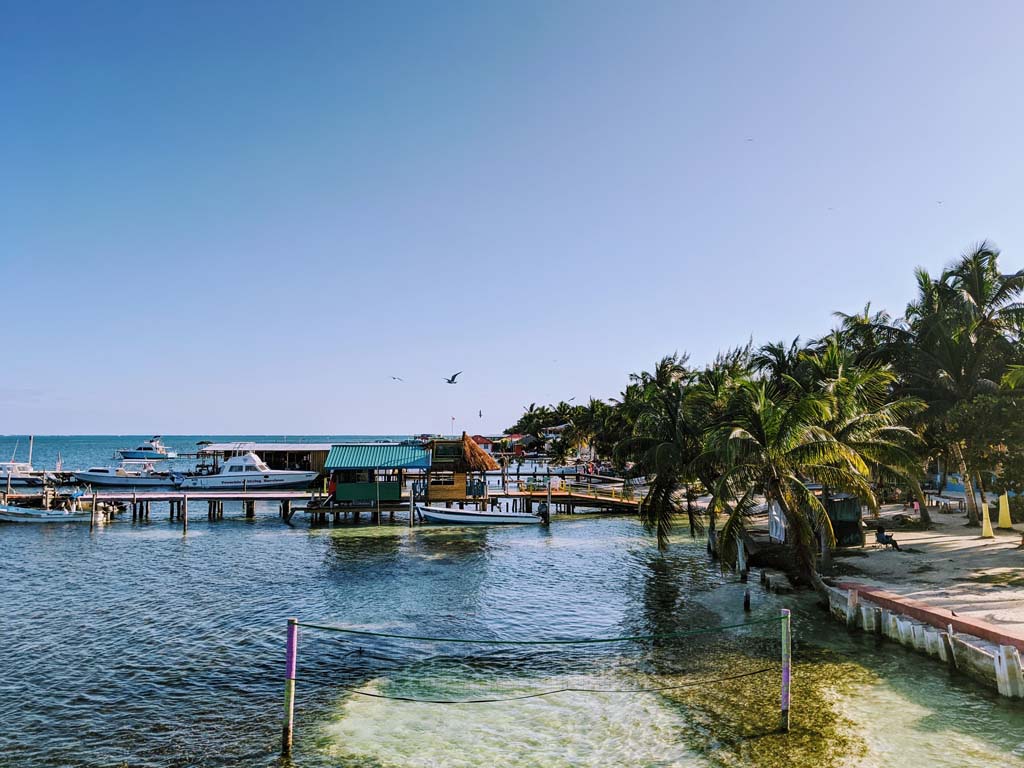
133,645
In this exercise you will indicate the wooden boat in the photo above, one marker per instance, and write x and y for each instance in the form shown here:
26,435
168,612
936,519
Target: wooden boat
446,516
12,514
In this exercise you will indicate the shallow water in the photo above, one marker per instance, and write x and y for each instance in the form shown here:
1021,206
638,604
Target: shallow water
133,645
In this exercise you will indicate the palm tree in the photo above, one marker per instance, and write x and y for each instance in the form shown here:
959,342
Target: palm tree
773,442
955,342
663,445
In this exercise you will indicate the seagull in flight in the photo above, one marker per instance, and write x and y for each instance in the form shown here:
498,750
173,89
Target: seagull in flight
397,378
452,379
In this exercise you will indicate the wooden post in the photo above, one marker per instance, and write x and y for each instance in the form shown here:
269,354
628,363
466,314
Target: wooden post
92,514
787,662
184,515
291,654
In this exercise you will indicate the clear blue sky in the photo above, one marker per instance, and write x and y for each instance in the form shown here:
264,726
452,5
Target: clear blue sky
227,217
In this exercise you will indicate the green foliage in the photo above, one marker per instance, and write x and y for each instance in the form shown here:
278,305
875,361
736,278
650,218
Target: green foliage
866,406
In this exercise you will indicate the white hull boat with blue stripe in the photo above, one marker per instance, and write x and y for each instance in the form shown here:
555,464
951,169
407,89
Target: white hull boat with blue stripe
249,472
445,516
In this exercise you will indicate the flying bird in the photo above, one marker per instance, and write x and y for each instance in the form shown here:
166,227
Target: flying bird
397,378
452,379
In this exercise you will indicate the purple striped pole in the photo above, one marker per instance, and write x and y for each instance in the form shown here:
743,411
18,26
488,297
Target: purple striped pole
291,656
787,664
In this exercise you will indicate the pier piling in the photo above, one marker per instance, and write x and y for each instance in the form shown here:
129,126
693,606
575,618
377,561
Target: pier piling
291,649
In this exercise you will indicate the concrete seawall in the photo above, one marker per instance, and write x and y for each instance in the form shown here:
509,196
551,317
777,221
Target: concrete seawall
976,648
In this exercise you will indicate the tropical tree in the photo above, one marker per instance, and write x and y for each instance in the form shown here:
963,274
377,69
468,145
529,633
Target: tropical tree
773,442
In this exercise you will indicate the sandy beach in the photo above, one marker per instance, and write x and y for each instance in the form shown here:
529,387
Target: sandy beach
948,567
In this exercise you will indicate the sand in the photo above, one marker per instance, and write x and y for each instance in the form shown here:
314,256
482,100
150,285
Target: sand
949,567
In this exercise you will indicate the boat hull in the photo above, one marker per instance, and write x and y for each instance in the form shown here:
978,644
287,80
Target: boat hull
21,482
443,516
148,455
114,481
11,514
252,481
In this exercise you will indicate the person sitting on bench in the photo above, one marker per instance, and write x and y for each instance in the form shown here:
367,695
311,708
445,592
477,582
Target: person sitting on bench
885,539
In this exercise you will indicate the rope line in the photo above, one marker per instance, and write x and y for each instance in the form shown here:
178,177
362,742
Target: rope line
561,690
583,641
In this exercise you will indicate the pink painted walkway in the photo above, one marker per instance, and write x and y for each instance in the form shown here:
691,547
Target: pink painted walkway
936,617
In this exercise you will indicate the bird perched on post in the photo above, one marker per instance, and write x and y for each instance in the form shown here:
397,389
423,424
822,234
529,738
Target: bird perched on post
451,380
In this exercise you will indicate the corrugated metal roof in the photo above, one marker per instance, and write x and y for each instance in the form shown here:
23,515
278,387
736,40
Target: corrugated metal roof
264,447
377,456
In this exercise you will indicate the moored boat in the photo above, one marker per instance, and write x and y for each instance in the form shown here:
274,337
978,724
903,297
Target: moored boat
130,474
19,474
248,471
447,516
154,450
12,514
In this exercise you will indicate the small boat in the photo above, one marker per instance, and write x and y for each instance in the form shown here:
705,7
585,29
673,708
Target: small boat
21,475
248,471
12,514
469,517
154,450
130,474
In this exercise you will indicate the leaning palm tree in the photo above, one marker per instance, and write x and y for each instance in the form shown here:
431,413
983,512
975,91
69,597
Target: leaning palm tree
774,443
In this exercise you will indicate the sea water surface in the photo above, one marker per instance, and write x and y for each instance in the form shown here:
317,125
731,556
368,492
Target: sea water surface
133,645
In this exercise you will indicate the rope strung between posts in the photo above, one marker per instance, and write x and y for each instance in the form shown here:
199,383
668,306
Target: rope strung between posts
581,641
562,690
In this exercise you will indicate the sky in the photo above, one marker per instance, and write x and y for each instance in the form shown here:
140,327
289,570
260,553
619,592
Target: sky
245,217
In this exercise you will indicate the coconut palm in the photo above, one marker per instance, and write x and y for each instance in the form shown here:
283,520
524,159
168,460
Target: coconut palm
773,442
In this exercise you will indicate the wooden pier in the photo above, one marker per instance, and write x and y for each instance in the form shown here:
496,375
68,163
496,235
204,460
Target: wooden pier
537,493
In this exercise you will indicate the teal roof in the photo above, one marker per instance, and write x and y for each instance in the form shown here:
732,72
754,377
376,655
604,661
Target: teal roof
377,456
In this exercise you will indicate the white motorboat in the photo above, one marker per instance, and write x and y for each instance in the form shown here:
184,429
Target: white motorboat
447,516
12,514
21,475
130,474
154,450
248,472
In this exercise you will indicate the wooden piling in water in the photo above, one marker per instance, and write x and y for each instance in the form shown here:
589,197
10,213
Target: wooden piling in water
184,515
291,653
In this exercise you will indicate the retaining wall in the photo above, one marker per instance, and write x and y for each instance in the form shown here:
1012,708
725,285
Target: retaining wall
973,647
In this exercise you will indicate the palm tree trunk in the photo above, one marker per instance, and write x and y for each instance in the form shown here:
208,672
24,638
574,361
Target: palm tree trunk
981,489
915,486
804,542
973,519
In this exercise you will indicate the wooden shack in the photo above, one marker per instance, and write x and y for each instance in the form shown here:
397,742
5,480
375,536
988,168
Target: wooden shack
457,471
365,473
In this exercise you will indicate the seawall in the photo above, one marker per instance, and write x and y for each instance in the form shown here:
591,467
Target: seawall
978,649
